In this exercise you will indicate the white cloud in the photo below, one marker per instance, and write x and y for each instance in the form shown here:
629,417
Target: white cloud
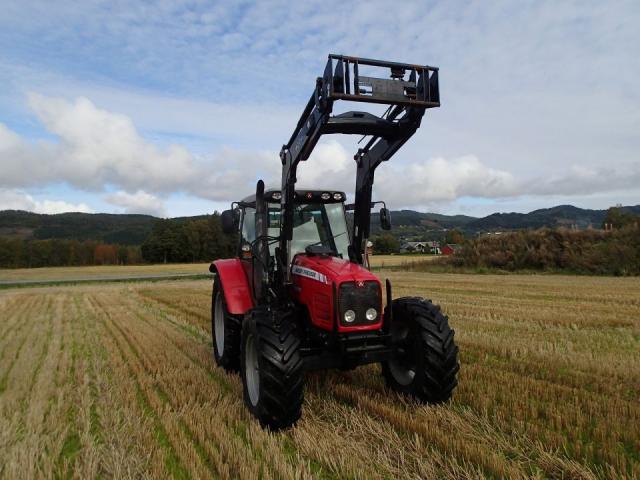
330,166
584,180
99,150
439,180
99,147
422,182
138,202
18,200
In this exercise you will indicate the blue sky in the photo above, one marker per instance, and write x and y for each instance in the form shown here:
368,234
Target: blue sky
176,108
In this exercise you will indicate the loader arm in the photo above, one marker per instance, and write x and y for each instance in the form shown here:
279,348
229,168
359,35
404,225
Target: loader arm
409,92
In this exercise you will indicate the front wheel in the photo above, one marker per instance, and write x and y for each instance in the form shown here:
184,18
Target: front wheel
424,362
271,367
225,332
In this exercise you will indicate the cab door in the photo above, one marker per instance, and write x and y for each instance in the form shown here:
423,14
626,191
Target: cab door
247,237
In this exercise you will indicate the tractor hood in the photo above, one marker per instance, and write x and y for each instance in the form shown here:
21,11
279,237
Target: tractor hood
329,269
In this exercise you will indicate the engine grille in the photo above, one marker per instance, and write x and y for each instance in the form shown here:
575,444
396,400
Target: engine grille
359,299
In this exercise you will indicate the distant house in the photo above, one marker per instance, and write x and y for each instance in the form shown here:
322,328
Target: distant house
432,247
451,249
413,247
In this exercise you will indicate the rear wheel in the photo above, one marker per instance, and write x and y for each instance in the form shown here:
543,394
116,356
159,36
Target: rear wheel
271,367
225,332
425,357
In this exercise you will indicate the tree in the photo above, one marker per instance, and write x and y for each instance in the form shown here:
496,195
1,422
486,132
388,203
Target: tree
386,244
455,237
618,218
191,241
105,254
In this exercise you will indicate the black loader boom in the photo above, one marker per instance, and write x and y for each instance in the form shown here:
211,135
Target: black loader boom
409,91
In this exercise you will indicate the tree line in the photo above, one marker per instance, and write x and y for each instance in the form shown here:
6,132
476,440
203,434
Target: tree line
612,250
170,241
598,252
21,253
199,240
202,240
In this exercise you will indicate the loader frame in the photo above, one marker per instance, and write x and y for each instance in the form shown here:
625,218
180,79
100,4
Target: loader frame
408,99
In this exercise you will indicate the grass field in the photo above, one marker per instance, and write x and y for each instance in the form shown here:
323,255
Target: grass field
113,272
117,380
105,272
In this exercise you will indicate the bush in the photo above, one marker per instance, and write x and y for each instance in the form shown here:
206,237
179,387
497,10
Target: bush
615,252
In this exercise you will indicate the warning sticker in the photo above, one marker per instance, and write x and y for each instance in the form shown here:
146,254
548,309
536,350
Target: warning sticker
307,272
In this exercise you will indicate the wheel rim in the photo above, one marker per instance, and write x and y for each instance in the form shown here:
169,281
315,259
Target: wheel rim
252,370
218,324
402,363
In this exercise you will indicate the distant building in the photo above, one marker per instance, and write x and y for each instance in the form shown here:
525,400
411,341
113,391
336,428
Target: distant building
432,247
451,249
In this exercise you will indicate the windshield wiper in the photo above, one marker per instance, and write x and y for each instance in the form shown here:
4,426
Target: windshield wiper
320,242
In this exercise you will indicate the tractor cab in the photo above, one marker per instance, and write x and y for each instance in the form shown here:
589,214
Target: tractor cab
319,222
319,259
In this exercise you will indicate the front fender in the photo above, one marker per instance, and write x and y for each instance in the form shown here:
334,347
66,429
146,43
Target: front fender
235,286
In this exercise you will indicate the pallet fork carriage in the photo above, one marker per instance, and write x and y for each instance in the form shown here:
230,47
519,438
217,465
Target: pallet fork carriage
407,100
299,295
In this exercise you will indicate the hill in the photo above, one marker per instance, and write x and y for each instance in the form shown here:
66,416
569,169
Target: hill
124,229
560,216
128,229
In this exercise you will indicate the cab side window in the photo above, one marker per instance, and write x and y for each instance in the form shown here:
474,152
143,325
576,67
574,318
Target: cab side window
248,225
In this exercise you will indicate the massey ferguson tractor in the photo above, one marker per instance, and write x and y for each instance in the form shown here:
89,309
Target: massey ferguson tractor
299,294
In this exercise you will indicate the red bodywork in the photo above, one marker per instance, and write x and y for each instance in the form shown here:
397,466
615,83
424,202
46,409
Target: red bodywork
312,286
235,285
317,293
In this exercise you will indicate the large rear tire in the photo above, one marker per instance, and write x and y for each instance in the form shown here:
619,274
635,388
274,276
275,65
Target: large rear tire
225,332
271,367
425,358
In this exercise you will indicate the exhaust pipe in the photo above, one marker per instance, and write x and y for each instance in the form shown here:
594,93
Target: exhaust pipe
261,250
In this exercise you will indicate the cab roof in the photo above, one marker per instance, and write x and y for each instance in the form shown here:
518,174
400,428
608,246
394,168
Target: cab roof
301,196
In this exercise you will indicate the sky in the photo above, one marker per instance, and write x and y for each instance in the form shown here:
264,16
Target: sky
177,108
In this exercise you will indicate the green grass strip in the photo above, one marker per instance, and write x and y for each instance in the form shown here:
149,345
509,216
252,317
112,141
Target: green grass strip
54,283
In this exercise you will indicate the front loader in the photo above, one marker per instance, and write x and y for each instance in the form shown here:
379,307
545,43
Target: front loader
299,294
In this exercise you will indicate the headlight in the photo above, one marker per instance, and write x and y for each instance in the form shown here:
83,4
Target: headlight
371,314
349,316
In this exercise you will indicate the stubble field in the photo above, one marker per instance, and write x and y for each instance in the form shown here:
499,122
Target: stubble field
18,276
117,380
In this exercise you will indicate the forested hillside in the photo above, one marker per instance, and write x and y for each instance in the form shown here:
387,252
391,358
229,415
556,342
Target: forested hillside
123,229
194,239
34,240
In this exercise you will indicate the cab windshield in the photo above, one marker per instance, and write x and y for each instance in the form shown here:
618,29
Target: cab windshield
314,224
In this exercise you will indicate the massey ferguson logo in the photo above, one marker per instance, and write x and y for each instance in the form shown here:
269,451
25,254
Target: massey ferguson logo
307,272
360,284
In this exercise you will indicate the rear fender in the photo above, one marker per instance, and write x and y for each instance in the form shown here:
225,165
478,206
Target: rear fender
235,286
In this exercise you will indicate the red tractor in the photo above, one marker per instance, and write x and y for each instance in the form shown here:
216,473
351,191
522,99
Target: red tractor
299,295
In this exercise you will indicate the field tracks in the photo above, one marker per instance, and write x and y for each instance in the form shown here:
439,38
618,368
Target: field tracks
188,398
118,381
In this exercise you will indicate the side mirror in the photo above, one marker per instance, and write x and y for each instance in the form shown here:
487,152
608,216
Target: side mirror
228,220
385,219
